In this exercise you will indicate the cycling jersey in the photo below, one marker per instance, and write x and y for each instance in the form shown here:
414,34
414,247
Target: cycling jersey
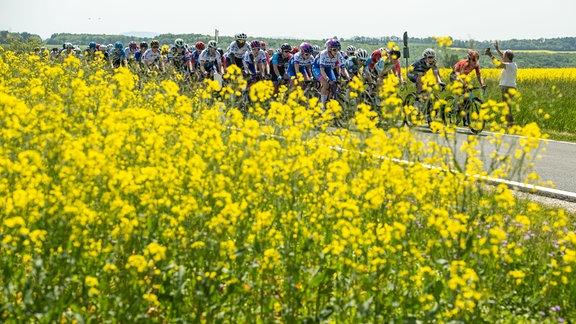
250,60
117,57
324,61
353,65
464,67
302,62
421,66
180,59
151,56
236,51
386,66
210,60
130,52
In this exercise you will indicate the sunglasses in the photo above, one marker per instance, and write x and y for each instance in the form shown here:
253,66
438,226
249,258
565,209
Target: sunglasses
335,50
430,57
286,51
155,47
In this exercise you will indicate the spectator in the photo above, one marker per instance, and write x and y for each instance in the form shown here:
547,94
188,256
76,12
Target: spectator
507,78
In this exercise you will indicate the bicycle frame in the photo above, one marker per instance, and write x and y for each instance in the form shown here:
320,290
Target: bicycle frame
468,113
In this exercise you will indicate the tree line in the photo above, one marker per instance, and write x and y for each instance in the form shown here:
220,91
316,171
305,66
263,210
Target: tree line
563,46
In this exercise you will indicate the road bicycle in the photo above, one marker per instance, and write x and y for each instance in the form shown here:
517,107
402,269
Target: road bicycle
466,112
337,90
420,112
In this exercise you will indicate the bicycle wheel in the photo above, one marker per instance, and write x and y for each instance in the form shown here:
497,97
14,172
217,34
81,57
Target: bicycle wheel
409,111
449,112
476,119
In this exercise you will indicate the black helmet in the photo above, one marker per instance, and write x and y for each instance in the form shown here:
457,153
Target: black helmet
286,47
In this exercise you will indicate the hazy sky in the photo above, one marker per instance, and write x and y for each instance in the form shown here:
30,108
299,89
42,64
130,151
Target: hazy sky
464,20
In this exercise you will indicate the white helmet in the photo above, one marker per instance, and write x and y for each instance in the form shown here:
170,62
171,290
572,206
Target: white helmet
429,52
241,36
350,49
362,54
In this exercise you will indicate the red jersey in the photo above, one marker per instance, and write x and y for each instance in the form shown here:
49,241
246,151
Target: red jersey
464,67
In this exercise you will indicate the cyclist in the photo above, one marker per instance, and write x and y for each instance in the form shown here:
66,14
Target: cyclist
181,58
322,68
210,60
301,62
263,47
131,50
464,67
198,48
140,52
390,64
355,64
255,62
279,64
237,49
350,51
152,58
105,52
67,51
90,52
371,68
117,56
316,50
421,66
55,53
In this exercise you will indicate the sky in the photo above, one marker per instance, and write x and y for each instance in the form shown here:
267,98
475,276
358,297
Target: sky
484,20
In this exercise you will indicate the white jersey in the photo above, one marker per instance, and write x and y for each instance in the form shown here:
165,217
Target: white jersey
325,60
236,51
129,53
151,57
298,58
206,56
259,58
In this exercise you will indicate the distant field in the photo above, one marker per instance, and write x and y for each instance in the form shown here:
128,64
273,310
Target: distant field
522,51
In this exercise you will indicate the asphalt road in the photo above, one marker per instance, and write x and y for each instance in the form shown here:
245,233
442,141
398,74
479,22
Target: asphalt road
557,162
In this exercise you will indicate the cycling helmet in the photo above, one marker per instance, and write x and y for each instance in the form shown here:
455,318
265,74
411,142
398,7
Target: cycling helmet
473,54
143,45
362,54
295,50
132,44
199,45
154,43
103,48
179,43
241,36
69,45
212,44
376,56
350,49
92,45
118,46
395,54
429,52
221,51
286,47
255,44
306,48
316,49
262,45
333,43
110,46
